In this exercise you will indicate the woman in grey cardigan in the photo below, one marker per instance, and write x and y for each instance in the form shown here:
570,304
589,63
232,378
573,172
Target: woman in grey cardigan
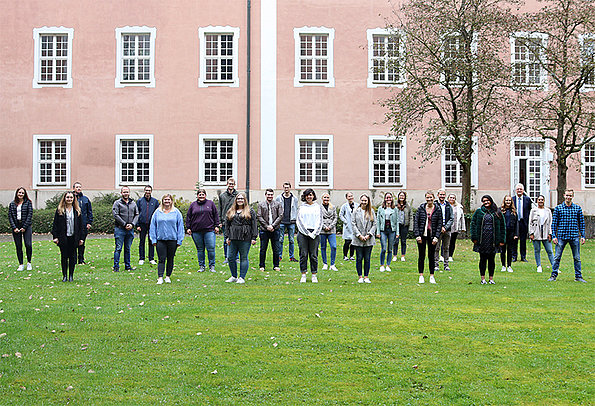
328,232
540,231
345,216
387,228
363,225
405,215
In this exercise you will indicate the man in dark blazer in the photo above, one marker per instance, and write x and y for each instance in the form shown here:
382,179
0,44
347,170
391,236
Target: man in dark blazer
523,206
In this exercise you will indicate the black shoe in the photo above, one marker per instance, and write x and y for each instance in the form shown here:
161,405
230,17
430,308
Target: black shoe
70,278
514,260
552,279
82,262
116,269
580,280
131,268
292,259
524,260
65,279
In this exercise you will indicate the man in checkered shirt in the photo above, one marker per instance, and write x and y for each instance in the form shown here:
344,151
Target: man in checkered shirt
568,227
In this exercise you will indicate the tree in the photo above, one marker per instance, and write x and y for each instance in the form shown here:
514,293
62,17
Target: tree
564,111
456,82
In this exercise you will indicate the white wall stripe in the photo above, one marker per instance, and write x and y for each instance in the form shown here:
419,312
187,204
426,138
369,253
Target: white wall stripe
268,92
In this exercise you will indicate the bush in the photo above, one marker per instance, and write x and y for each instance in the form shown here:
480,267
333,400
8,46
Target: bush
52,202
106,199
4,223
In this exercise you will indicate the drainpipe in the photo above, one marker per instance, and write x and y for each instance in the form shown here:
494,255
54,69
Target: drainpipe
248,46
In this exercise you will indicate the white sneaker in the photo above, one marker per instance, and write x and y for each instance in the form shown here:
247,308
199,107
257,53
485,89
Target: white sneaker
314,279
539,269
367,280
276,268
29,267
432,280
503,268
509,269
20,268
360,280
441,259
403,258
345,259
141,261
324,267
333,268
387,268
421,279
240,280
153,262
303,278
231,279
160,281
394,258
381,268
261,269
450,259
167,280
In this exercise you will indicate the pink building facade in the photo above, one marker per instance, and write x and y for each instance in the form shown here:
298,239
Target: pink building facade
146,92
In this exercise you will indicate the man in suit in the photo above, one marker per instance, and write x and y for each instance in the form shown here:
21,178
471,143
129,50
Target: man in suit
269,215
523,206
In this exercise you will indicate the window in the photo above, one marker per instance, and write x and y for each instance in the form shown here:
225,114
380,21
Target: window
530,159
314,56
452,171
314,161
218,56
528,58
135,60
453,59
385,54
589,165
135,160
218,157
587,43
387,161
51,160
53,57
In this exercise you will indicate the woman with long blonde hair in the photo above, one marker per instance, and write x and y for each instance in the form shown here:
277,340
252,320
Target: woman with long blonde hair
241,231
387,229
67,232
427,226
363,225
328,232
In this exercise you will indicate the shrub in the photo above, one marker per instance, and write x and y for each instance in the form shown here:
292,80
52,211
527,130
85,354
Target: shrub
52,202
106,199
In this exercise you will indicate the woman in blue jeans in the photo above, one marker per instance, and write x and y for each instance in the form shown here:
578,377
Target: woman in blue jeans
540,231
363,224
328,232
387,229
241,231
202,221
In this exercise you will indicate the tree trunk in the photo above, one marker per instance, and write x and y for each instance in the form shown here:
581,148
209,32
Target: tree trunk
562,171
466,187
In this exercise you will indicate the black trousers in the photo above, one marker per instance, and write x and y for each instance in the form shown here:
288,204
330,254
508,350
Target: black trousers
308,249
144,234
27,236
348,249
489,260
426,241
522,242
506,254
453,244
68,256
80,249
166,251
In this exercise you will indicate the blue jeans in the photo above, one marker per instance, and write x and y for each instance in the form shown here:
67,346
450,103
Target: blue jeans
575,246
387,240
537,249
202,240
290,232
123,238
238,247
363,254
332,240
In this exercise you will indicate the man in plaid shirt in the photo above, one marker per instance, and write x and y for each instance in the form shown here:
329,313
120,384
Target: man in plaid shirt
568,227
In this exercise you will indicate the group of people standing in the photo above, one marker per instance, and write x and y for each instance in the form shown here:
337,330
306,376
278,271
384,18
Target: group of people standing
435,226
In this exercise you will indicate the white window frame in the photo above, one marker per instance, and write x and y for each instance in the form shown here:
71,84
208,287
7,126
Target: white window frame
127,137
50,137
330,33
473,52
402,162
128,30
370,34
543,82
591,37
474,167
584,185
202,45
201,152
548,157
306,137
37,33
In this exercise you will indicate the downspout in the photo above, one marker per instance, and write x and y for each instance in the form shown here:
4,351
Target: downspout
248,99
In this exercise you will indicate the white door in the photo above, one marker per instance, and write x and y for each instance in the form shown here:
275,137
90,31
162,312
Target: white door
531,168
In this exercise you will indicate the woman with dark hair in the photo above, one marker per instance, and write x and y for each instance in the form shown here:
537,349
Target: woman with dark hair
309,223
328,232
405,215
387,228
203,222
67,231
426,228
20,217
241,231
364,228
166,232
488,233
345,216
512,232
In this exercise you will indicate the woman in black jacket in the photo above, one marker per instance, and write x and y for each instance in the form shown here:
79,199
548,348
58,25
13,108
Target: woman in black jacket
20,217
512,232
241,231
68,233
426,228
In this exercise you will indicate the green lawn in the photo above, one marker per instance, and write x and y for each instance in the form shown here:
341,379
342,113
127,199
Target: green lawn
121,339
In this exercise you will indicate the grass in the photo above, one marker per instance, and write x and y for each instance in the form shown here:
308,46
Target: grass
121,339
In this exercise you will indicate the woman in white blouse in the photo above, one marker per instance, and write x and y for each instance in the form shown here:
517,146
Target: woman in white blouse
540,231
458,223
309,224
